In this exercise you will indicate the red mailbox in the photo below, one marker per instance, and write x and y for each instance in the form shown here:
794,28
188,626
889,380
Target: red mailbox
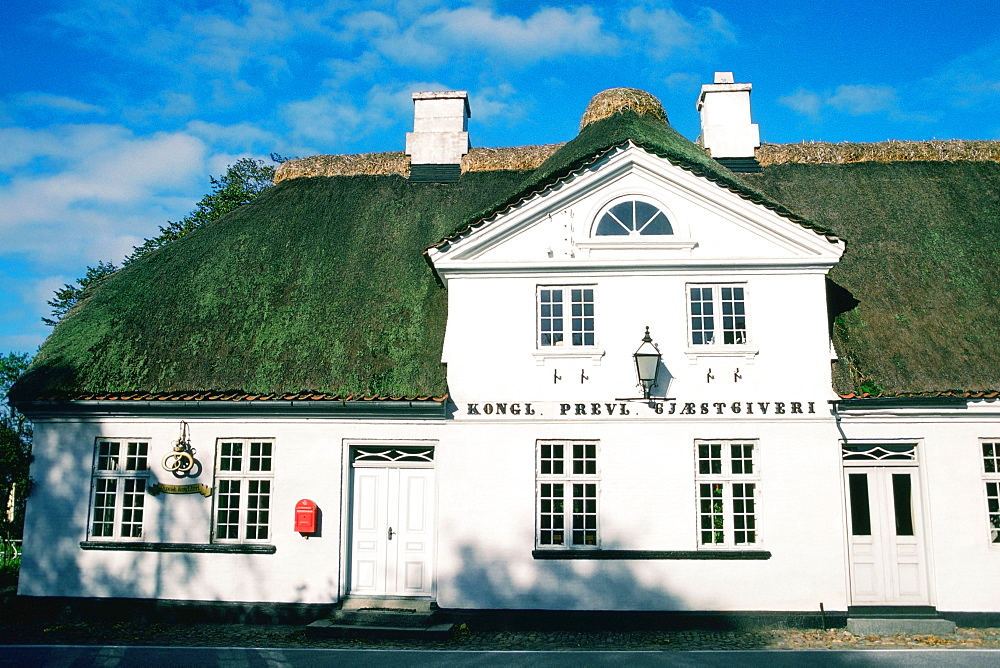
305,516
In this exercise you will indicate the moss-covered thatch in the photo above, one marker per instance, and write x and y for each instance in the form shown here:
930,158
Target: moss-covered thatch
318,284
923,251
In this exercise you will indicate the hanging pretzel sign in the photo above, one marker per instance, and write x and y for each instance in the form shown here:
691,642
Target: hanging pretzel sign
181,460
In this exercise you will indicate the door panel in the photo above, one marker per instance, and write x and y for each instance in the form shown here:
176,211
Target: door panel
392,532
368,552
886,550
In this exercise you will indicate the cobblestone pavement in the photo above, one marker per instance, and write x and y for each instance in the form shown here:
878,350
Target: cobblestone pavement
244,635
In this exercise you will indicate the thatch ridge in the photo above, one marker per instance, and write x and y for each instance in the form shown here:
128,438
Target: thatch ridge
886,151
614,100
533,156
522,158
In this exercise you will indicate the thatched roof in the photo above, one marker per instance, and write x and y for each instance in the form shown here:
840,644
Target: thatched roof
923,251
319,284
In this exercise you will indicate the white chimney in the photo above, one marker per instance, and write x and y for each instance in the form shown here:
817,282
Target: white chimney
440,135
726,127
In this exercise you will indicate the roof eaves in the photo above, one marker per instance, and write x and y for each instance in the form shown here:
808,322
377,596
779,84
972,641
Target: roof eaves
212,404
946,398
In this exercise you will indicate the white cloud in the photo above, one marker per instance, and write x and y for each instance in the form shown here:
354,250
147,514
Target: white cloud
430,39
683,81
23,304
549,32
240,137
854,100
860,100
58,103
222,39
663,31
95,191
972,78
497,103
221,43
167,104
343,71
805,102
334,119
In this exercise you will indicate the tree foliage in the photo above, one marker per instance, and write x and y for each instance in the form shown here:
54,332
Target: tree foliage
243,181
69,294
15,450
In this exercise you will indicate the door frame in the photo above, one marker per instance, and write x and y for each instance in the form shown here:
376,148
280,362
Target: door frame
347,503
922,515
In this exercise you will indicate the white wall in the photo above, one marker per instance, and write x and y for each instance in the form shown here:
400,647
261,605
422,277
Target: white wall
308,463
964,565
647,501
492,353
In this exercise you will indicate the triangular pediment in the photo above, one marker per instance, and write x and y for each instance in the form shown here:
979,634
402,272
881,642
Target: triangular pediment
709,224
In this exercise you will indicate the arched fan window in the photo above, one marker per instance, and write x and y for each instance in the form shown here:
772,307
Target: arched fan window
633,218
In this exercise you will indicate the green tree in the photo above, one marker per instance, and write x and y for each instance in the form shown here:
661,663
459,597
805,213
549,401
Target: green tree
68,295
15,450
243,181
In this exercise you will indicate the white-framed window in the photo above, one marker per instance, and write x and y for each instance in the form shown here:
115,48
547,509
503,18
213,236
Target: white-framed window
565,316
991,478
633,218
118,489
567,483
717,314
727,478
244,480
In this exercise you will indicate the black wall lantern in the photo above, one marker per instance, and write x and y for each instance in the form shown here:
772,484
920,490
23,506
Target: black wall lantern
647,364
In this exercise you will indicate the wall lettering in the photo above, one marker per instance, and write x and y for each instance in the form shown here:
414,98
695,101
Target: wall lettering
497,409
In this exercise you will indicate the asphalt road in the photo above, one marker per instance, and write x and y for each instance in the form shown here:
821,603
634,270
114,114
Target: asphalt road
229,657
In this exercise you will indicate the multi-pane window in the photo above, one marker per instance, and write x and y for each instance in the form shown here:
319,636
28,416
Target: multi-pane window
243,482
567,483
118,490
727,479
717,315
991,471
565,316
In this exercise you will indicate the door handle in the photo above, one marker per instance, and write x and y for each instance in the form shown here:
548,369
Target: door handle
390,533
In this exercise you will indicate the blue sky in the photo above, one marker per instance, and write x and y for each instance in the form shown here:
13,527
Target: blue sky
114,113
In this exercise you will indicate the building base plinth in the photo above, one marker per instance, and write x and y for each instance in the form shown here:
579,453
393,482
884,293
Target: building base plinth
887,626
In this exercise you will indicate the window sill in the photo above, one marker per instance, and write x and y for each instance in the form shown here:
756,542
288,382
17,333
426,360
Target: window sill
725,352
569,353
727,555
233,548
635,243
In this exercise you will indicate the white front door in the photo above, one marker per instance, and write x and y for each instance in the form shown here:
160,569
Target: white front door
392,543
885,536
